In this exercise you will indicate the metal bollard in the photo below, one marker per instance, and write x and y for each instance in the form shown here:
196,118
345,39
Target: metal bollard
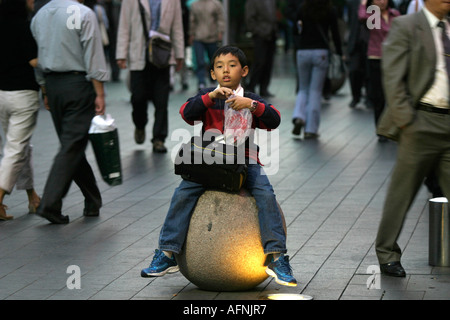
439,235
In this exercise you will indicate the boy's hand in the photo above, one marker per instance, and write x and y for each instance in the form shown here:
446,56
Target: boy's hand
220,93
238,103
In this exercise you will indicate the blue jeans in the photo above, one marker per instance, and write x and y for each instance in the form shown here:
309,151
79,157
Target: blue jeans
312,66
199,51
176,225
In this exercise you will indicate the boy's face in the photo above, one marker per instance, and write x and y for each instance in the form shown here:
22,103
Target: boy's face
228,71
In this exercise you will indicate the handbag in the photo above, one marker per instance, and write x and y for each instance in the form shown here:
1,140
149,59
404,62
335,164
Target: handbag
337,71
336,67
159,51
103,31
159,48
104,138
213,164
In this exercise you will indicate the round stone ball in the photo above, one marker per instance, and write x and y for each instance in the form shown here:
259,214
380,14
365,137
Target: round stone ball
223,250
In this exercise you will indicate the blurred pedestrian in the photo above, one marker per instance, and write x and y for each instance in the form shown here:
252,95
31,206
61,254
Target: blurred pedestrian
72,70
102,18
356,53
206,27
183,72
19,101
112,8
377,34
148,82
291,11
261,21
315,19
416,60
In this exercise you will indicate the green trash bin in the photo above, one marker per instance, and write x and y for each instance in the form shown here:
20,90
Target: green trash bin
107,153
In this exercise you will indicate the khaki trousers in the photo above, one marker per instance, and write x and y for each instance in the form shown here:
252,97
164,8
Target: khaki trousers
18,116
424,146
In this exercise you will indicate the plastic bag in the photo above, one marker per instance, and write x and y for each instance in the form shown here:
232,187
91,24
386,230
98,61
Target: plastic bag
238,124
102,123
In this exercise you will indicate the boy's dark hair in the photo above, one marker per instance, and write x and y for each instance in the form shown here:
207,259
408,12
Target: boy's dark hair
235,51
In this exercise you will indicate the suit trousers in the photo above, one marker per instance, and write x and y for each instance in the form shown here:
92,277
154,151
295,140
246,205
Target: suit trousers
357,71
375,92
423,145
18,116
152,84
262,66
72,105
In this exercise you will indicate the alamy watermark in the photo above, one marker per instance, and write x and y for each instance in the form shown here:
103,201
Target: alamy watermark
74,19
74,280
374,281
374,21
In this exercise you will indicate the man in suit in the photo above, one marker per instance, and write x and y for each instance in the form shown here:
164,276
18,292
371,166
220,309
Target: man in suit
148,82
418,114
261,20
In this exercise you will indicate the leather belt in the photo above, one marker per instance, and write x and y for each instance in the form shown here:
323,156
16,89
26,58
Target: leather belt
430,108
51,73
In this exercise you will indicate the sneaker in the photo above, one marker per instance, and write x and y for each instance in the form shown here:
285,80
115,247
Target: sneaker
281,271
160,265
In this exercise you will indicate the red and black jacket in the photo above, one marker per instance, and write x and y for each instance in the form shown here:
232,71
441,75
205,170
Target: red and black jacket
211,114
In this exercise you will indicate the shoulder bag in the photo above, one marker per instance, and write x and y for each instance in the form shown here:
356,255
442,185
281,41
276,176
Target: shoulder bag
213,164
336,67
158,48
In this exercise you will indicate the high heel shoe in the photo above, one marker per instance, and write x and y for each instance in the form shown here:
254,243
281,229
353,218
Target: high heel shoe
33,205
3,215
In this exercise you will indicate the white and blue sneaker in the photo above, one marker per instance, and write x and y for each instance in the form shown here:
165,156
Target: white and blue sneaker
160,265
281,271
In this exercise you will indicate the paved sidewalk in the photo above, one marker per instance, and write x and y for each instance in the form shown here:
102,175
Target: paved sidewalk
331,191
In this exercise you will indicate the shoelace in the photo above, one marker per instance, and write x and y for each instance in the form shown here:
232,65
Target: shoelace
157,257
283,265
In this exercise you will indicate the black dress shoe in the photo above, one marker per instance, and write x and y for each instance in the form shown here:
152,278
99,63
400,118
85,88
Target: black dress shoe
91,213
393,269
55,218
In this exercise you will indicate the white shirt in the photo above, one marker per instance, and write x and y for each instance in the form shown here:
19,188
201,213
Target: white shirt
438,94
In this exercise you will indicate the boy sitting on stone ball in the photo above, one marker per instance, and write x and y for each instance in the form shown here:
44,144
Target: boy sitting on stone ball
228,67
